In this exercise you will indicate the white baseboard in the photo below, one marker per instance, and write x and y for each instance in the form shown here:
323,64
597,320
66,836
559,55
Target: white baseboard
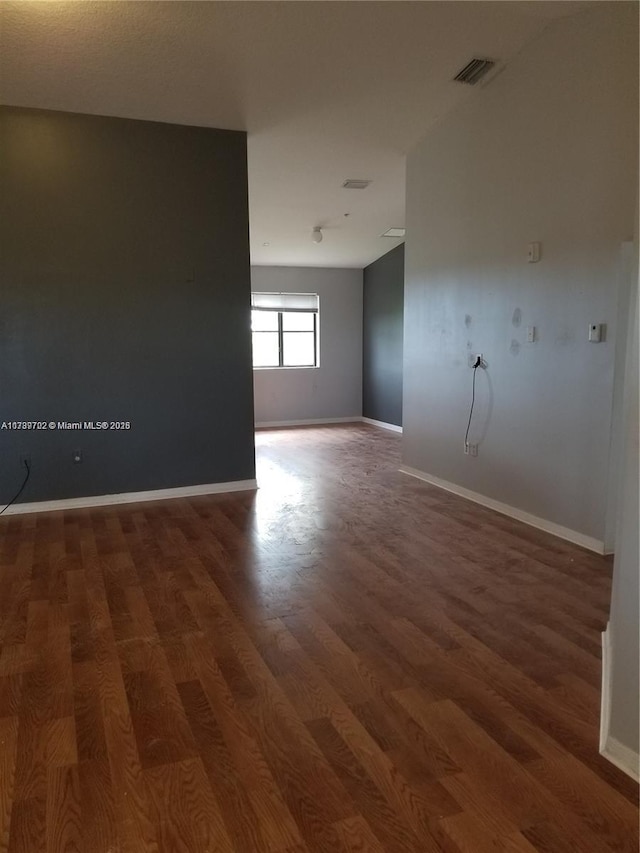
382,424
617,753
625,759
133,497
520,515
308,422
354,419
605,690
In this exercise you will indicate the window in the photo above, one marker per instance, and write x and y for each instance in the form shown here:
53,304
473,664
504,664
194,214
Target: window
284,329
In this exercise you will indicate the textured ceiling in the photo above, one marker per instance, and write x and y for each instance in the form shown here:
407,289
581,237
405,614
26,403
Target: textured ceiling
326,90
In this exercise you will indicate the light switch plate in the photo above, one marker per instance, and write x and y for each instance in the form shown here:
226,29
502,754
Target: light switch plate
595,332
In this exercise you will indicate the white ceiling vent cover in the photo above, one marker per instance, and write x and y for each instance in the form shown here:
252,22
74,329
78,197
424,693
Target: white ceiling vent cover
474,71
355,184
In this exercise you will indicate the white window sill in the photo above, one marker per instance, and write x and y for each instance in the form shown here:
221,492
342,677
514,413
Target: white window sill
301,367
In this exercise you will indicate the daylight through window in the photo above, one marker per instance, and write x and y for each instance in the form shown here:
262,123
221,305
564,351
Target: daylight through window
284,329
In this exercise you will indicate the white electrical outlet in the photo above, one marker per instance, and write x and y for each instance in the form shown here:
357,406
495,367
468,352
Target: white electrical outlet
473,450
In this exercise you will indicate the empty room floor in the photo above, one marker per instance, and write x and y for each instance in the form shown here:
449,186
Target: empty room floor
346,660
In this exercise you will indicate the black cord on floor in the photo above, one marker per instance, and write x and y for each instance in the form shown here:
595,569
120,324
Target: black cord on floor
21,489
473,399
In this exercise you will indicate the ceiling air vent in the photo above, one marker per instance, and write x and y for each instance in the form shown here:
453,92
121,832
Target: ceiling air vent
474,71
353,184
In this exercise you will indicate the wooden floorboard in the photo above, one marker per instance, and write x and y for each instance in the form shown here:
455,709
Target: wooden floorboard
347,660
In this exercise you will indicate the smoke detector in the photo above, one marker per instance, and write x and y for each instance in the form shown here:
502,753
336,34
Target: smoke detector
474,71
355,184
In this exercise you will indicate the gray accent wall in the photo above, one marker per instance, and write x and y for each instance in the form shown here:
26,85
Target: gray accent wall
125,296
382,335
547,151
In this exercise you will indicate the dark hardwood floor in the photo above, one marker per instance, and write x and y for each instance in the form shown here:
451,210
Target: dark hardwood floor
348,660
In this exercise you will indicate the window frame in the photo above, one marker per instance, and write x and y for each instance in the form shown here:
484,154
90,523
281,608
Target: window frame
281,333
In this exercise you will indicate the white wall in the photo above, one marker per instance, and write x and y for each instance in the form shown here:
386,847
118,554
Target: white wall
334,389
622,714
620,393
546,152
